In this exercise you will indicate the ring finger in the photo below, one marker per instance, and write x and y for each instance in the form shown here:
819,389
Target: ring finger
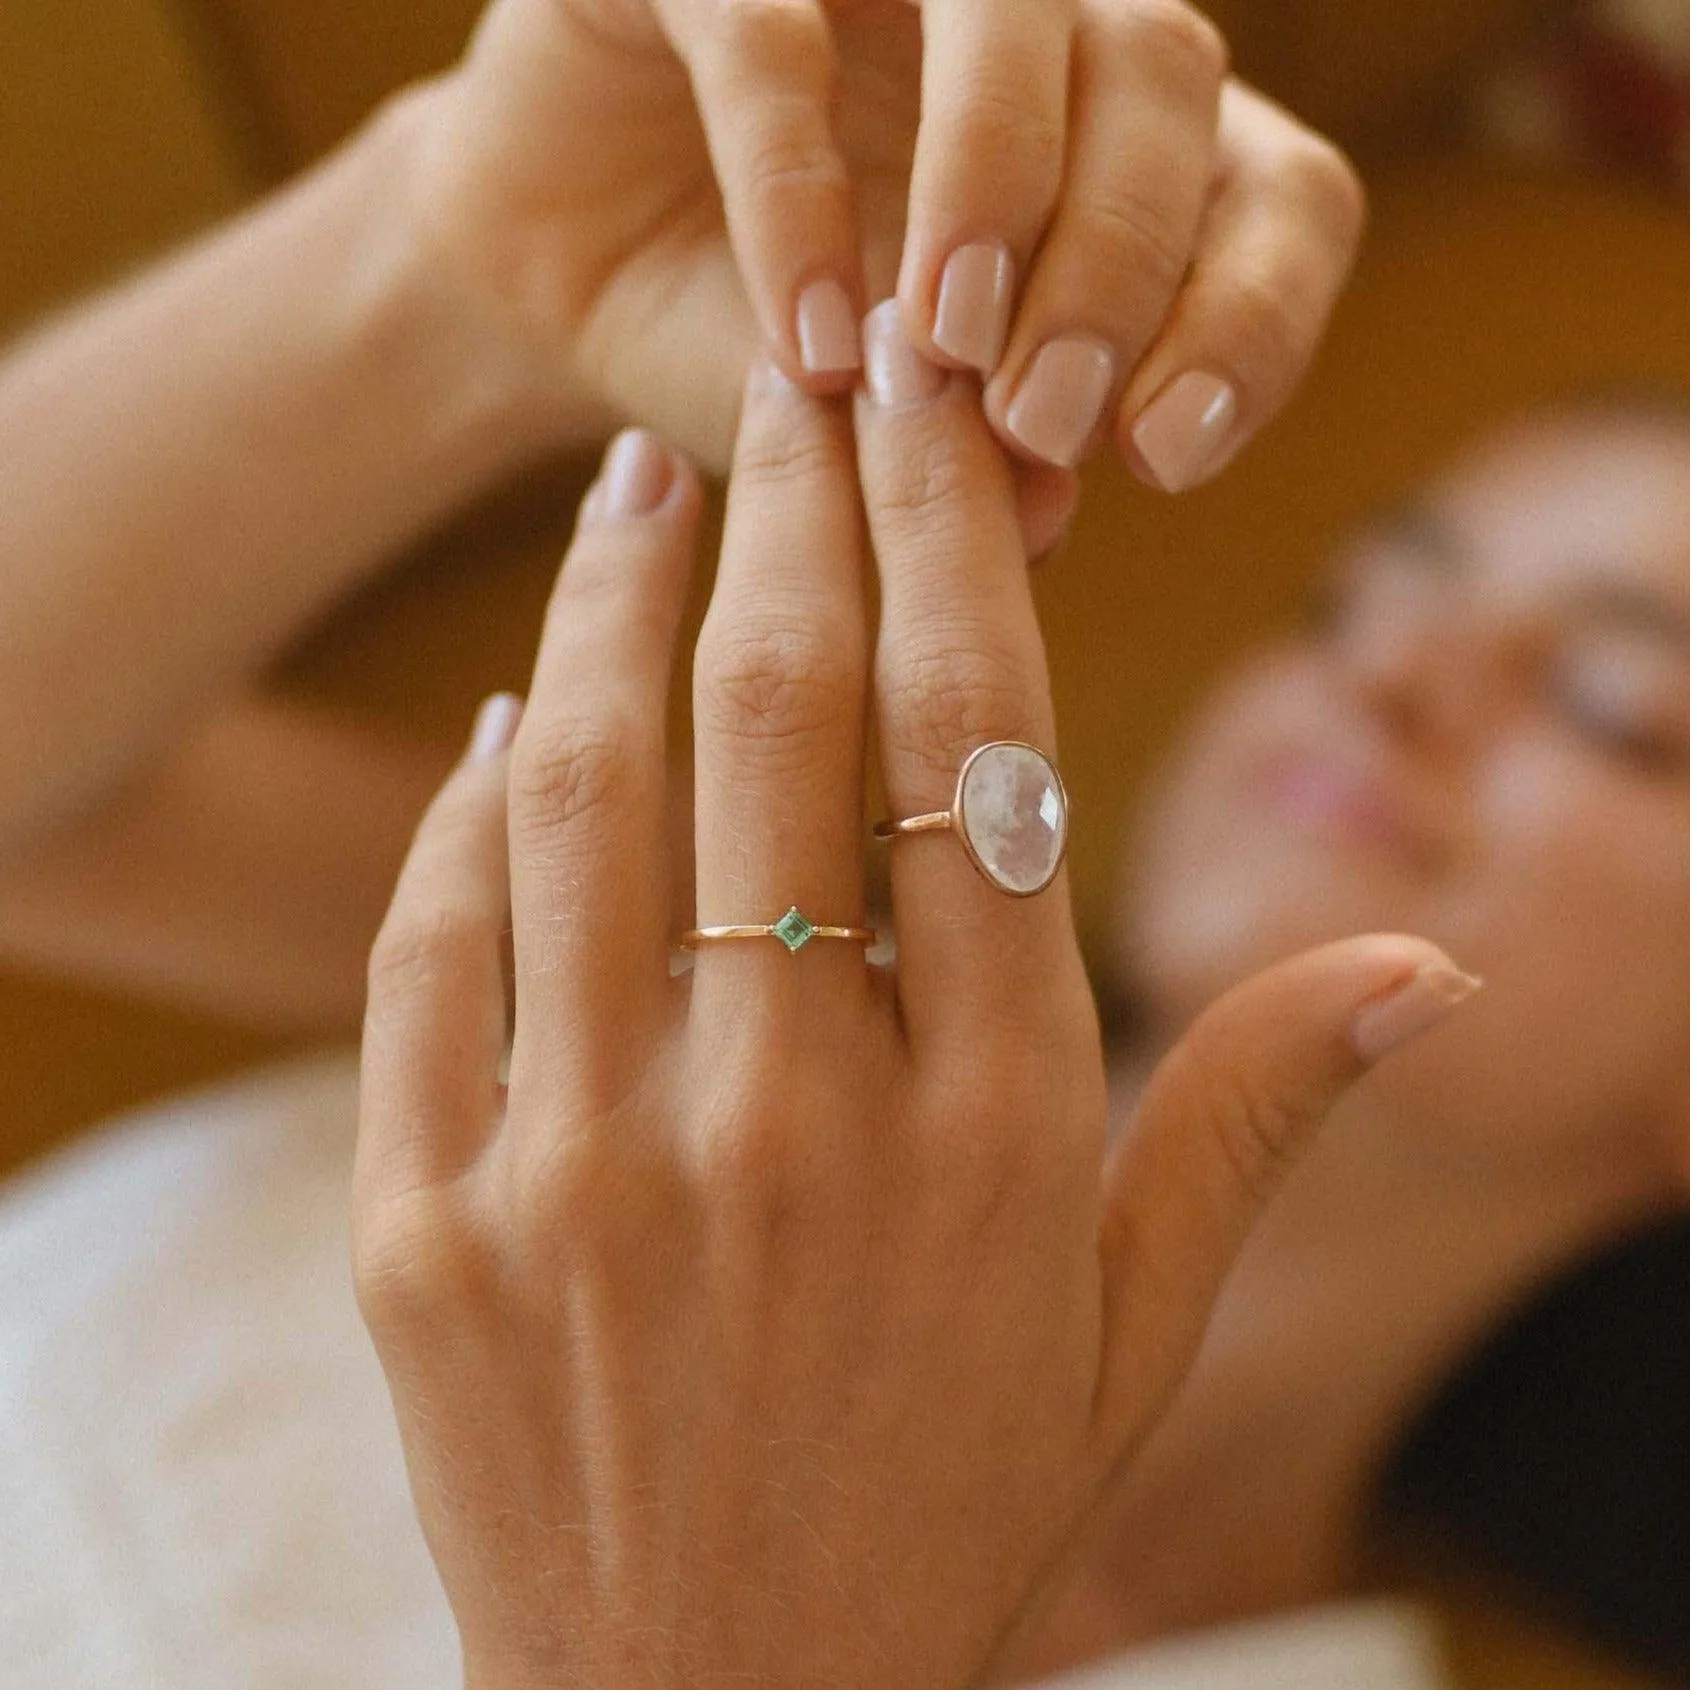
587,784
960,664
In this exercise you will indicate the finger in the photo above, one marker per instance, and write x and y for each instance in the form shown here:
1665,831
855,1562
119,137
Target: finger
1046,499
1276,249
959,664
1147,82
764,73
589,899
778,688
434,1018
1226,1115
987,168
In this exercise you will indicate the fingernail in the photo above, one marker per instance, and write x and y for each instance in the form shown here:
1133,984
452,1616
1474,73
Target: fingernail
1186,432
828,340
898,375
1412,1009
1061,398
495,726
635,478
972,317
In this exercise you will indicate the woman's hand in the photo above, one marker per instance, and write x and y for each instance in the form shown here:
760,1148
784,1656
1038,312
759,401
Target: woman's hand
779,1321
1070,196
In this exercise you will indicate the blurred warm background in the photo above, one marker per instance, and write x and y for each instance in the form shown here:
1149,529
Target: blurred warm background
1528,162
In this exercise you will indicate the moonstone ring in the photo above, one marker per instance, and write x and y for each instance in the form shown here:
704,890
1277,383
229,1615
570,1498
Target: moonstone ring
1011,814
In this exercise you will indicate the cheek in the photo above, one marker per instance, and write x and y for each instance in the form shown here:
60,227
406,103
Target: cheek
1215,887
1577,903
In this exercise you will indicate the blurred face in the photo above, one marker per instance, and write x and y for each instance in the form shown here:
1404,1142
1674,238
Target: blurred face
1487,742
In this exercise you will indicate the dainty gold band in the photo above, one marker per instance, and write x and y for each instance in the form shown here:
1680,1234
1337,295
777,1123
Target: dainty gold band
690,941
940,821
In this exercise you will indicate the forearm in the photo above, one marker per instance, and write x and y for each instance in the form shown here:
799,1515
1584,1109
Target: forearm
246,875
195,466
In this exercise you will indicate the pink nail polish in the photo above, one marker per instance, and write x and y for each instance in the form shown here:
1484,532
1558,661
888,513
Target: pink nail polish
636,477
1415,1007
971,319
1188,430
1061,397
898,375
828,339
496,723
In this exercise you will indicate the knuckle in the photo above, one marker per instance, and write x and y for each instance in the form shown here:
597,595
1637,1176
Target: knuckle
929,486
1252,1129
416,1264
568,1195
1320,176
772,40
595,1194
1137,234
567,773
418,947
1177,38
783,159
951,695
1267,329
779,686
782,457
1006,128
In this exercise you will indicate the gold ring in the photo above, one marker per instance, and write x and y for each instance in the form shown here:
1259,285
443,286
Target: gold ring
794,930
1011,813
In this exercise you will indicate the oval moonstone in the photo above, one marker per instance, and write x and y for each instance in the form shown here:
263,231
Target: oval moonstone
1014,816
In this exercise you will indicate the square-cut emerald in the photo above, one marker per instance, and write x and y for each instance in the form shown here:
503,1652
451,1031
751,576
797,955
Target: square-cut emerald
793,930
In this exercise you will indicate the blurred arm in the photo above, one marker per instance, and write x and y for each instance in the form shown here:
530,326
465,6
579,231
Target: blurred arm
193,467
246,875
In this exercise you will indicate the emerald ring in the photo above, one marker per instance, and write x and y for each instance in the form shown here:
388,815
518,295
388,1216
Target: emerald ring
794,930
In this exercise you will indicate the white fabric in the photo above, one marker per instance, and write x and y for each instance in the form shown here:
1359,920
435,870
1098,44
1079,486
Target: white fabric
200,1484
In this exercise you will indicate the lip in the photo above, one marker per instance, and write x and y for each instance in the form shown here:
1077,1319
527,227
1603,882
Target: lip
1347,798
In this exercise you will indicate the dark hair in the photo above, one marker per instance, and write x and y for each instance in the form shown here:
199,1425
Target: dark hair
1559,1455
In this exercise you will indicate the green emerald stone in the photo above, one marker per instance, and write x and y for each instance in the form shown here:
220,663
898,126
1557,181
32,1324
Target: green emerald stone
793,930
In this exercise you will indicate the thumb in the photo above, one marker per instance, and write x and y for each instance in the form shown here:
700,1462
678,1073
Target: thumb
1226,1114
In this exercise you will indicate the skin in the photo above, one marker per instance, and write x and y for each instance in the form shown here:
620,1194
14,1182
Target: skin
779,1323
1551,852
597,216
1465,673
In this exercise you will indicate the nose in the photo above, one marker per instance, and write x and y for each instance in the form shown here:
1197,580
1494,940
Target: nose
1443,671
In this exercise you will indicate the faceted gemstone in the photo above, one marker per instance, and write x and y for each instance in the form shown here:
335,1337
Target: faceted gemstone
1015,817
793,930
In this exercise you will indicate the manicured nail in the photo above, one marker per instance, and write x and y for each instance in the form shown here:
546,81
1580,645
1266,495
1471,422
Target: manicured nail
495,726
1061,398
972,317
1413,1008
898,375
1187,431
636,477
828,340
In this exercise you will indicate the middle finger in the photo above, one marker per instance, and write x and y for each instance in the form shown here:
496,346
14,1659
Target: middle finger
779,682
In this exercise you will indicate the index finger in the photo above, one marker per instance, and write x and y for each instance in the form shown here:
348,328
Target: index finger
764,73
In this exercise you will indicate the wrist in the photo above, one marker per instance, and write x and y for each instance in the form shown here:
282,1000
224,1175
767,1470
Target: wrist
502,396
